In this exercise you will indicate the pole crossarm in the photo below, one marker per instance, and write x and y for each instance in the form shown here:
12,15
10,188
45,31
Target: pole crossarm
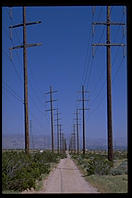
30,23
108,23
57,114
50,101
50,109
77,119
84,91
83,100
52,92
109,44
57,119
27,45
85,109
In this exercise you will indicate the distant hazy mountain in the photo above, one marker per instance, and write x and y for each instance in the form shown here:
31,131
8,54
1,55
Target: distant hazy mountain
43,142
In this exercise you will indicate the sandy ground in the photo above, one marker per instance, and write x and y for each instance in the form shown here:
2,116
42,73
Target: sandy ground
65,178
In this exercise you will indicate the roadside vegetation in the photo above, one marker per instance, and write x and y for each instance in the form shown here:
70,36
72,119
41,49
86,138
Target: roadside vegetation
106,176
21,171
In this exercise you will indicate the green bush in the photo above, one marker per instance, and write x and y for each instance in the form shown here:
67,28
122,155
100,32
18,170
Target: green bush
94,163
121,169
100,167
120,154
20,171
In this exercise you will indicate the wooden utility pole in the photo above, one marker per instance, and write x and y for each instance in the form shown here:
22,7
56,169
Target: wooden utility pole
57,119
83,119
109,96
51,111
25,82
24,46
60,139
74,139
63,143
57,132
77,130
83,115
109,99
70,144
52,129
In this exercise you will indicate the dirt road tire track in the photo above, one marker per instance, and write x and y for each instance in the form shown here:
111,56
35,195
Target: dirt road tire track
66,178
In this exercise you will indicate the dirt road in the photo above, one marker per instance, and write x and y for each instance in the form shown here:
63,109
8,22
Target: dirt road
66,178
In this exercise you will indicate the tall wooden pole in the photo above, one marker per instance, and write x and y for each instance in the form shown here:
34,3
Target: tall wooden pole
57,131
60,139
25,46
77,131
109,100
52,129
25,84
74,139
108,45
83,111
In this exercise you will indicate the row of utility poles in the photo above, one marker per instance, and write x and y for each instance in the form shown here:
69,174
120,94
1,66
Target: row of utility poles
74,141
61,141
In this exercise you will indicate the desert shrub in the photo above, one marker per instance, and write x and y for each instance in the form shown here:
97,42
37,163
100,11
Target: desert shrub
121,169
120,154
116,171
97,163
94,163
100,167
20,171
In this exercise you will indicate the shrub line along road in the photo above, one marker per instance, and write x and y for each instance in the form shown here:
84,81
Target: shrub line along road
66,178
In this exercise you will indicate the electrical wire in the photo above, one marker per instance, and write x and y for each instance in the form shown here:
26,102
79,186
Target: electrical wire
91,60
12,92
14,66
115,57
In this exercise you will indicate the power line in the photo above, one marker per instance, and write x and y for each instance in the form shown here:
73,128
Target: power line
12,92
91,60
100,101
14,66
85,65
118,69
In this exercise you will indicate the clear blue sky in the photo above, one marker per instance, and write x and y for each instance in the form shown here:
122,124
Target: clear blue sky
64,61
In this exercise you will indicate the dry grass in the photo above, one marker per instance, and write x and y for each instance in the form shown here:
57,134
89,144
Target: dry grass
109,183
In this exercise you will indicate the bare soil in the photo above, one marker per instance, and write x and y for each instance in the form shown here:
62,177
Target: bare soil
65,178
